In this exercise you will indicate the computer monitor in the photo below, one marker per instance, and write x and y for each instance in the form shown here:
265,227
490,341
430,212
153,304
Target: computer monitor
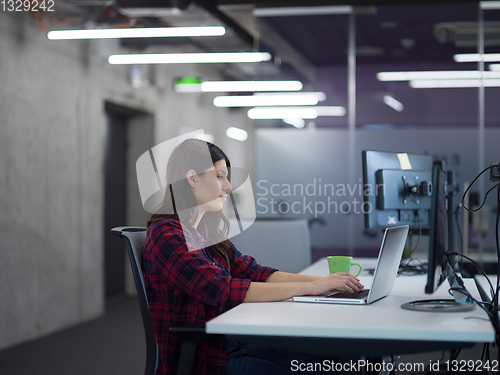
397,189
440,265
438,232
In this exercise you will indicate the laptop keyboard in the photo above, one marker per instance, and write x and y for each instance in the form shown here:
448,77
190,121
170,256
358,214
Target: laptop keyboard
346,294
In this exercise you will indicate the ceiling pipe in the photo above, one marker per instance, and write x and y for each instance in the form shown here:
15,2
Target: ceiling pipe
301,66
211,7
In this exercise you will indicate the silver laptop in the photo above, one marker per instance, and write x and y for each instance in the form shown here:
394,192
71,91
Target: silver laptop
384,276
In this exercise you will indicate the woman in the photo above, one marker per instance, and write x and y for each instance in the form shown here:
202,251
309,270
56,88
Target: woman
193,273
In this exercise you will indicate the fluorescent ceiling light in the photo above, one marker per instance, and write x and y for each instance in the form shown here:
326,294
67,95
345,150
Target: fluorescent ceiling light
494,66
449,83
281,113
263,113
393,103
489,4
441,75
240,86
302,11
149,12
149,32
253,101
273,99
317,94
299,123
236,133
330,111
474,57
190,58
250,86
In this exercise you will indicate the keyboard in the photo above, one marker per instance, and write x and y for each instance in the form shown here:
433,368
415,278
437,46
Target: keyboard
346,294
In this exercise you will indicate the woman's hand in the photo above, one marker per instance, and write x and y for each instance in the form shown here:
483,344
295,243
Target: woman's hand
339,280
283,286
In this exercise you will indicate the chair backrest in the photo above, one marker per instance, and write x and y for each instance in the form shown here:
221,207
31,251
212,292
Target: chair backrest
135,238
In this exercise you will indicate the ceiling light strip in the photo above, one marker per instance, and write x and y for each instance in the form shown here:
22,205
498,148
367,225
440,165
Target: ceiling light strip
489,5
251,101
237,133
250,86
190,58
448,83
269,113
441,75
281,113
299,123
330,111
151,32
474,57
393,103
270,99
302,11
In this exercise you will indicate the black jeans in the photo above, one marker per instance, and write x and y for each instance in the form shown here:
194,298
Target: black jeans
251,359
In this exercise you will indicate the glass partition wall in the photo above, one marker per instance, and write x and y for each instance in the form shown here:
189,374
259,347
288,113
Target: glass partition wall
302,161
489,130
399,78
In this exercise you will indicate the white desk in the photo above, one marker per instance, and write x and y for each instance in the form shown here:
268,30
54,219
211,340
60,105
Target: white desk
398,331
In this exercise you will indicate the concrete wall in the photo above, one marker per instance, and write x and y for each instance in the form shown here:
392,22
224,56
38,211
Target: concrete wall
52,105
51,206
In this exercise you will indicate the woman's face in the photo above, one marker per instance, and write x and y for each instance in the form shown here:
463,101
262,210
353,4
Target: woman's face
212,188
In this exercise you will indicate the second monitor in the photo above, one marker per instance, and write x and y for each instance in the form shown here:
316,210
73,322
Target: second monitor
397,188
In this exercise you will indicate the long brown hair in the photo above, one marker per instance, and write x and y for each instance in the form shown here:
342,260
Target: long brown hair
192,154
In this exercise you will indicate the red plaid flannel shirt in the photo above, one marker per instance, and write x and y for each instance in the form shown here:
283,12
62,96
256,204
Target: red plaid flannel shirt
191,287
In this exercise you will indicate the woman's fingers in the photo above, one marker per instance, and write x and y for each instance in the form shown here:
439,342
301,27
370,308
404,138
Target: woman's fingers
350,283
357,287
341,280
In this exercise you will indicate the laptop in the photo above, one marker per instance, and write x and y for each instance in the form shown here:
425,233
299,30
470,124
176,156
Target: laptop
384,276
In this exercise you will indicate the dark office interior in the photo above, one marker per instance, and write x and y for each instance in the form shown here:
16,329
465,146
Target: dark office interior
73,126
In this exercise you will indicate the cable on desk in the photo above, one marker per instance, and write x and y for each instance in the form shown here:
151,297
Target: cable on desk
408,269
468,188
464,291
488,306
493,310
457,223
492,314
405,266
497,243
492,291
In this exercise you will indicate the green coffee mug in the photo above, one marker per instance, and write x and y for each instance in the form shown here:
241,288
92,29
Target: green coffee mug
342,264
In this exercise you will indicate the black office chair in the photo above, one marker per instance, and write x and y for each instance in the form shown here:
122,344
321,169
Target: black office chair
191,336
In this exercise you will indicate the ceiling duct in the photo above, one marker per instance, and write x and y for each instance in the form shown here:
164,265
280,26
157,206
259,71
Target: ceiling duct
103,3
464,34
180,4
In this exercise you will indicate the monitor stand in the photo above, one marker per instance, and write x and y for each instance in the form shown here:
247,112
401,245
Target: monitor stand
460,303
